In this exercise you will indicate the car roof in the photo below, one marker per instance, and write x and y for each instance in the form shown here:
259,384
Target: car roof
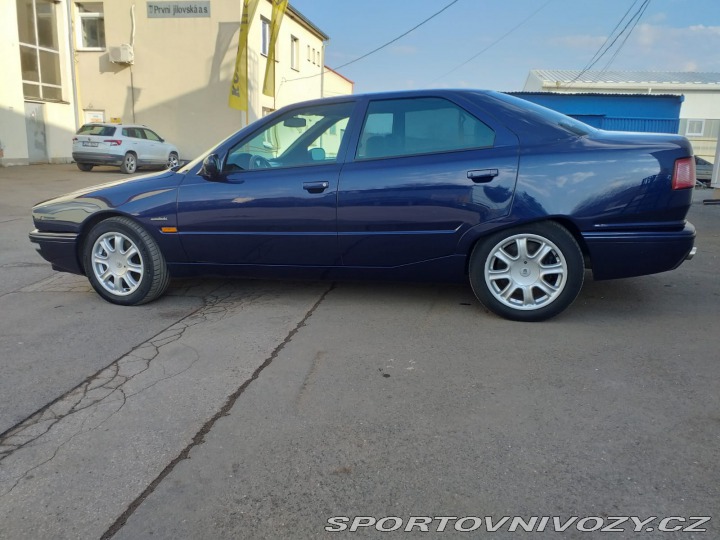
395,94
110,124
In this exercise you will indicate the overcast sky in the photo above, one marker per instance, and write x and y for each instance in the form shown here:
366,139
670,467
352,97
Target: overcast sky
673,35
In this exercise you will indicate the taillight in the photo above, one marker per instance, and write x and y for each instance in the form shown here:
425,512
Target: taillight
113,142
684,173
75,139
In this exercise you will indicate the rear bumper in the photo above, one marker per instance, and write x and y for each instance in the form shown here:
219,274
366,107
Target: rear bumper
627,254
59,249
97,158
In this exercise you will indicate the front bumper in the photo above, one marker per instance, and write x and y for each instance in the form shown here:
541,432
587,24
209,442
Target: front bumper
621,254
59,249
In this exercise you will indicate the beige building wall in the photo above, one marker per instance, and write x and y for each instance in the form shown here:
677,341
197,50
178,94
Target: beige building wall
335,84
180,79
13,148
178,82
46,126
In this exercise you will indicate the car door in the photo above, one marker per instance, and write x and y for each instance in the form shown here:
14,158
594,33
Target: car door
274,202
424,172
154,147
134,142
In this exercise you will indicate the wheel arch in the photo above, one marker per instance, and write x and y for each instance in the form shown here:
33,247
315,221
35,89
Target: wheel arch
88,225
563,221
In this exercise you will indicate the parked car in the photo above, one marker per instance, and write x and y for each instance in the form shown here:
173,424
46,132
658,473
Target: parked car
438,185
703,170
127,145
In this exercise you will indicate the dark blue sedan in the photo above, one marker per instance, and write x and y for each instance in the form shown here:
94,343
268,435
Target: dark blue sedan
440,185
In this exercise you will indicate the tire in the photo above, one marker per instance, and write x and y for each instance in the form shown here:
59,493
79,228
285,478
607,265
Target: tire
85,167
173,160
129,163
529,273
124,263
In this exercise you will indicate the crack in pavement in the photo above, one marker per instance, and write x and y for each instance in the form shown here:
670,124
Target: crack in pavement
106,387
199,437
23,265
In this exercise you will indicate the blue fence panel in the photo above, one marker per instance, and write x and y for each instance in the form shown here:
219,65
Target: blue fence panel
651,125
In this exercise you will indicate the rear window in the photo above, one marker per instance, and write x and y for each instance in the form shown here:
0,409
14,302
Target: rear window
94,129
549,116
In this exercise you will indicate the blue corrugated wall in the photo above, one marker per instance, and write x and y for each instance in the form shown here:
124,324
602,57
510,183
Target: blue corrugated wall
617,112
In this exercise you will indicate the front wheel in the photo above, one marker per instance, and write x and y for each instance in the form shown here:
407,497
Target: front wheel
85,167
124,263
529,273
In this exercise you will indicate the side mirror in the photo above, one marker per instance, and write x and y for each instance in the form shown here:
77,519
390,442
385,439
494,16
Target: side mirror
210,167
317,154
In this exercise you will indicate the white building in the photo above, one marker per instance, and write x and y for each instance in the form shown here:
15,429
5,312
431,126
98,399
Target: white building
165,64
699,113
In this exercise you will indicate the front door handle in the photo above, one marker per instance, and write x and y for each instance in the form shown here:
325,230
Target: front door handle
482,175
315,187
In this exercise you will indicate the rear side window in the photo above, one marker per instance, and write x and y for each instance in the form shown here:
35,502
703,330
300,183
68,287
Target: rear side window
94,129
135,133
405,127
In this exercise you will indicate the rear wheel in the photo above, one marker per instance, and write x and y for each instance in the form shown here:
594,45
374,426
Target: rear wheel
173,160
124,263
529,273
129,163
87,167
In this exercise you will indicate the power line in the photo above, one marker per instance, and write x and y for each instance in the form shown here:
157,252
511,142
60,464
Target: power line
597,57
399,37
610,35
498,40
617,51
381,46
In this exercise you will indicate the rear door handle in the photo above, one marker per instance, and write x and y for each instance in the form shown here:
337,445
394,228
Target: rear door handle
315,187
482,175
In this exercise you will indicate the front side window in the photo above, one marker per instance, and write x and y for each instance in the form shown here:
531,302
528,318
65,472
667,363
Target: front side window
311,136
39,51
151,135
405,127
91,26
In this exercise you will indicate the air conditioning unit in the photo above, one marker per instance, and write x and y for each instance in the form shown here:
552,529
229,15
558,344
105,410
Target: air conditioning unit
122,55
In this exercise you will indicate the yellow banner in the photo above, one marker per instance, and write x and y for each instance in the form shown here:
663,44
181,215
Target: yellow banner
239,88
278,10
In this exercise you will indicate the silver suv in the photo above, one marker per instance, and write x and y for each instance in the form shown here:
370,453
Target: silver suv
127,145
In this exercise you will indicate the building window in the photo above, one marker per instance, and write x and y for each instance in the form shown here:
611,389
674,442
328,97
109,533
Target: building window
91,26
309,58
318,58
294,53
265,45
39,50
695,128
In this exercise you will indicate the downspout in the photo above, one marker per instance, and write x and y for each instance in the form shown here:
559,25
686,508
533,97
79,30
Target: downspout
132,46
73,70
322,71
